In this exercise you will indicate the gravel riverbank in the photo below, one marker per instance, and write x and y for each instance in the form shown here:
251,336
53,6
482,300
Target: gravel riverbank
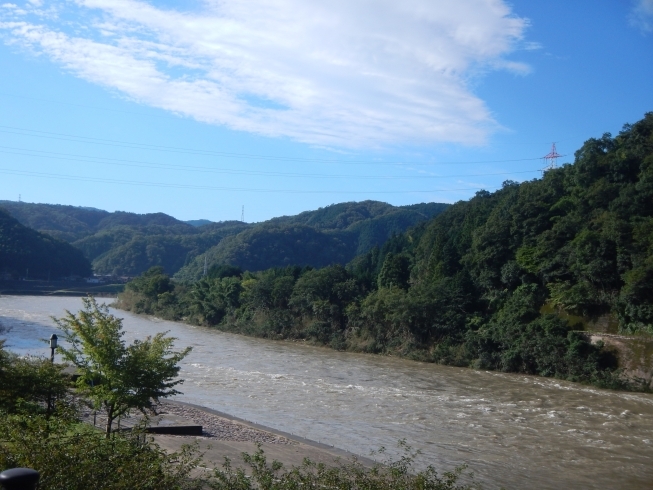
214,426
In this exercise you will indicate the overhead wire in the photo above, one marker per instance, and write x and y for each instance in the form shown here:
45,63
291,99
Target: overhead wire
141,164
215,188
172,149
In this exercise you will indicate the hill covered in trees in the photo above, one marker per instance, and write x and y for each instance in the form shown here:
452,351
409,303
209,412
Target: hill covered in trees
331,235
128,244
71,223
502,281
123,243
28,253
130,250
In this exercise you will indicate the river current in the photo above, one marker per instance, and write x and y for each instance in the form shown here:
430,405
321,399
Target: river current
513,431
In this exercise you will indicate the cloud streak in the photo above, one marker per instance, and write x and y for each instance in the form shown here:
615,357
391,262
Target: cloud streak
642,15
338,73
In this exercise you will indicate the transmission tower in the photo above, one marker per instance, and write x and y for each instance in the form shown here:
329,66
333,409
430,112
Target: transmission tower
242,214
551,159
205,265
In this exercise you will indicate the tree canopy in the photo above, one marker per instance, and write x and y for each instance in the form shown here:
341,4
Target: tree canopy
115,376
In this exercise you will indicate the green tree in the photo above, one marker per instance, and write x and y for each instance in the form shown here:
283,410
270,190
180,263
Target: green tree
211,298
395,272
114,376
29,384
151,293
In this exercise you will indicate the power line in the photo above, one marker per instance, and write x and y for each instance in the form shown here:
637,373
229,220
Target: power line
551,158
167,116
141,164
233,189
191,151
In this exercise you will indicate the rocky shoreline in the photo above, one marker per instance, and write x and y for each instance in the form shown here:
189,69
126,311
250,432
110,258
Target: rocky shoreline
216,427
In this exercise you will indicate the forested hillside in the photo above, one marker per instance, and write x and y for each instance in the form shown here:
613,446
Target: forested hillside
130,250
128,244
331,235
123,243
343,215
72,223
28,253
473,285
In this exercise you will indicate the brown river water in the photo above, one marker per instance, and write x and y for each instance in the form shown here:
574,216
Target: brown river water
513,431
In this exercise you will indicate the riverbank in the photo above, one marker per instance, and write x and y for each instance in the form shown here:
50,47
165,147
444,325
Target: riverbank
59,288
633,354
548,348
227,436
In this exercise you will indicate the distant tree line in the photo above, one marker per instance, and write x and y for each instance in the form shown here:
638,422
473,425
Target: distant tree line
121,243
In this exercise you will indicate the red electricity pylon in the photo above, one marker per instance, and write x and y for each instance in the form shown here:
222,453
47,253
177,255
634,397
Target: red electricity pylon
551,159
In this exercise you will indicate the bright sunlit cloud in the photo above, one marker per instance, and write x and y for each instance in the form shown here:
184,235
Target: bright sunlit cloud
337,73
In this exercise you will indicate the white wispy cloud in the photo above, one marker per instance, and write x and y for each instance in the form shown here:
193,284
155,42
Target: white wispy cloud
641,15
343,73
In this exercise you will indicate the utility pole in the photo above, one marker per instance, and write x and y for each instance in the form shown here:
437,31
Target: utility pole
551,159
53,346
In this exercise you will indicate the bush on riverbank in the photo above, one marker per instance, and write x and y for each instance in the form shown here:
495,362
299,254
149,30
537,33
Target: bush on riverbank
345,475
75,457
27,384
72,456
330,307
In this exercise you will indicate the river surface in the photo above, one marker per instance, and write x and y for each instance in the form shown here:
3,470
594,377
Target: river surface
513,431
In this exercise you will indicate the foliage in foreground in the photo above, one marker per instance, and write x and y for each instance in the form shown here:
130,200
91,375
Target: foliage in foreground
74,457
343,475
28,383
70,455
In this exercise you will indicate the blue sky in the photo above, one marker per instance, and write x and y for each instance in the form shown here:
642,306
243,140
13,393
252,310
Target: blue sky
197,108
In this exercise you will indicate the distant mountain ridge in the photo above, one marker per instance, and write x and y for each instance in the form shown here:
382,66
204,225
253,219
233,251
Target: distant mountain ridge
125,243
72,223
331,235
198,222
